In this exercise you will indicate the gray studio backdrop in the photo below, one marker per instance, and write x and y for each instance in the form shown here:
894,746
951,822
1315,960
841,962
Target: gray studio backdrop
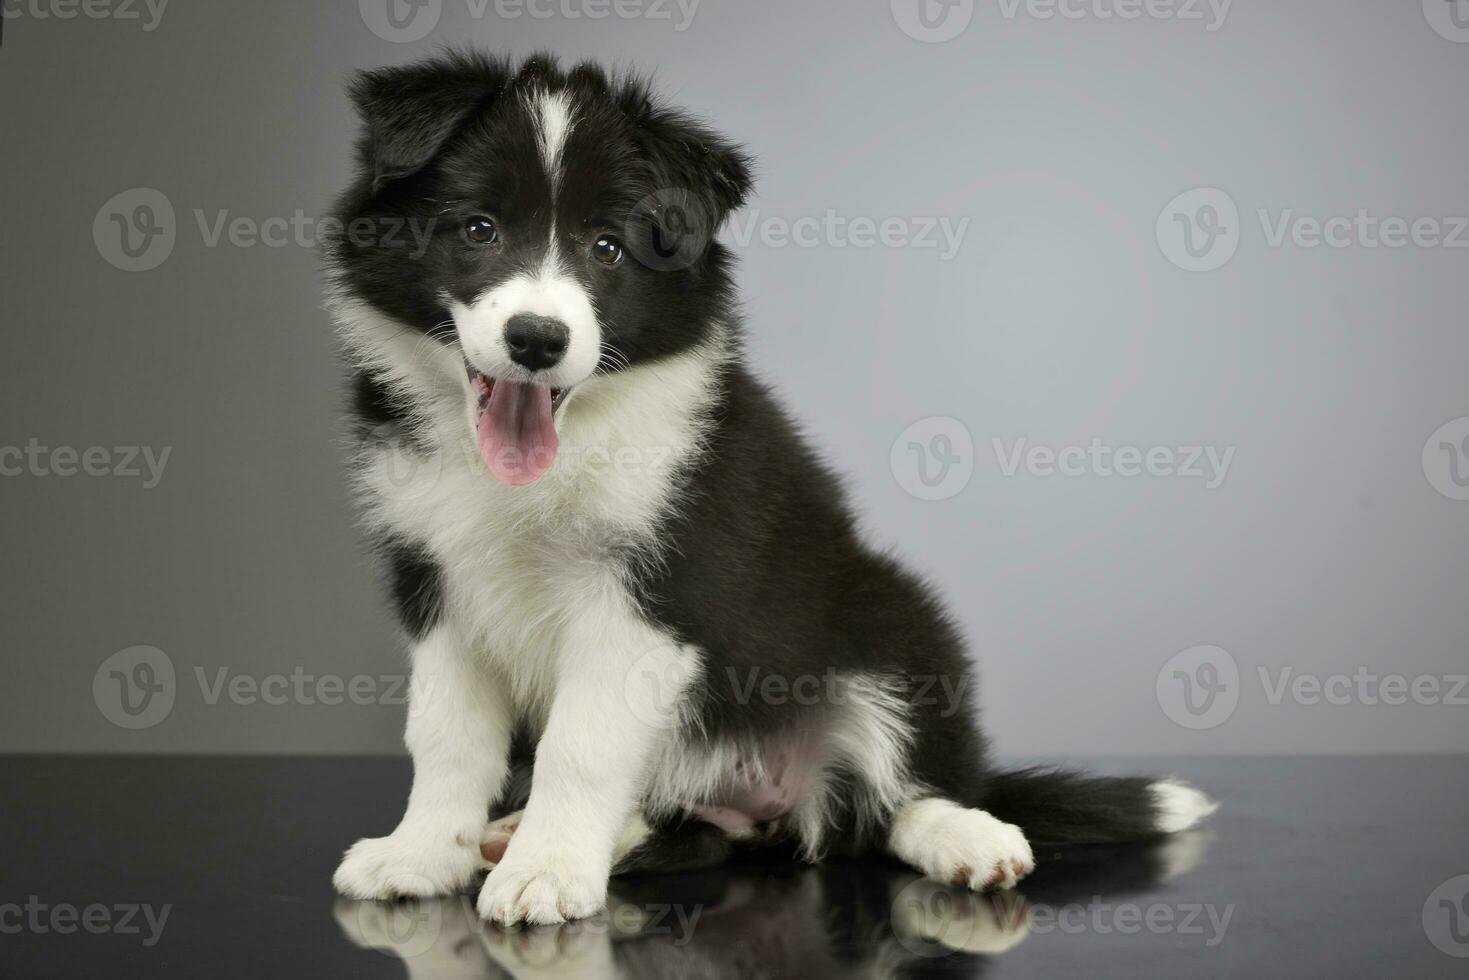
1140,328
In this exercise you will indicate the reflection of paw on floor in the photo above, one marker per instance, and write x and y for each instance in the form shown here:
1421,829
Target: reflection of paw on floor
436,938
958,919
733,924
572,951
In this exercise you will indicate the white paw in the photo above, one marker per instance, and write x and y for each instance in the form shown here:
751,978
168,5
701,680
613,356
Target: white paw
542,889
1180,806
958,846
409,864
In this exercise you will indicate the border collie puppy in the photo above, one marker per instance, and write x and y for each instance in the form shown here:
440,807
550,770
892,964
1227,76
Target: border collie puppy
605,537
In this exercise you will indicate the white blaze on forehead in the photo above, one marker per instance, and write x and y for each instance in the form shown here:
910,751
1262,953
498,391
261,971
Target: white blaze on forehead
552,113
544,289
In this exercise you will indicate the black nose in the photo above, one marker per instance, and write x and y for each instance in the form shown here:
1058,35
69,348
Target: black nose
536,342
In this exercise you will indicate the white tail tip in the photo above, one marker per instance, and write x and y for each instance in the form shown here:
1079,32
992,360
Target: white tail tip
1180,806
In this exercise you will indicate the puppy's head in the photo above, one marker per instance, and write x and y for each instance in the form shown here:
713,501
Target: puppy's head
553,225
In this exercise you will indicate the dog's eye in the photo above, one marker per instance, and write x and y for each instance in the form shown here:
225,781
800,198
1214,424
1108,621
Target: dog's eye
481,230
607,250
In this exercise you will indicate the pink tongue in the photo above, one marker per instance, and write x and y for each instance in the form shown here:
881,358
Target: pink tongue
517,436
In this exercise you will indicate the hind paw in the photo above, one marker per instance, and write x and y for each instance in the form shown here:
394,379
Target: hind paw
958,846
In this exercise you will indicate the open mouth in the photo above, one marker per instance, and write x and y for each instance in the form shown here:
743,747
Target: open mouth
515,426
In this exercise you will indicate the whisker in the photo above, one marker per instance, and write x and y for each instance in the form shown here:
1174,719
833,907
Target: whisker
618,358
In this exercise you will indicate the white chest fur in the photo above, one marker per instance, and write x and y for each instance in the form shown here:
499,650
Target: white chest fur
520,562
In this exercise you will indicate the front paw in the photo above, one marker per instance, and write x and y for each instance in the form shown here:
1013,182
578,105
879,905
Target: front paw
542,890
408,863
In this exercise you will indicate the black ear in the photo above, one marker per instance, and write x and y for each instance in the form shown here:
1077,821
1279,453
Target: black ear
686,155
410,112
698,178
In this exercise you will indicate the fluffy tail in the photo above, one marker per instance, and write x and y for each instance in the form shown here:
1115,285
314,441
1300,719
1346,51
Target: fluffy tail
1058,807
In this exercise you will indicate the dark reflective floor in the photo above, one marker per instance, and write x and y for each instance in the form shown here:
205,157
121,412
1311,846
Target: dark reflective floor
221,868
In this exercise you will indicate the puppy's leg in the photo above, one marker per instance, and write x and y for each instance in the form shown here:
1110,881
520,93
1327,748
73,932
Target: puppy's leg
459,736
590,765
690,845
958,846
